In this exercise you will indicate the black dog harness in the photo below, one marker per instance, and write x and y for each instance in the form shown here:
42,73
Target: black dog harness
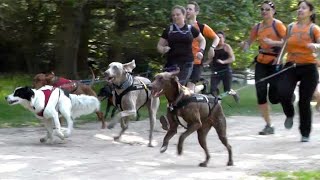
128,86
212,101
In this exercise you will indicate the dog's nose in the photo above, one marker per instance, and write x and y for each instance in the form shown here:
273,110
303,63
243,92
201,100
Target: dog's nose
6,97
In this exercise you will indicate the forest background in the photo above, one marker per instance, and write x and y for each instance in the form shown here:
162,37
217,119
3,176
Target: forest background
64,35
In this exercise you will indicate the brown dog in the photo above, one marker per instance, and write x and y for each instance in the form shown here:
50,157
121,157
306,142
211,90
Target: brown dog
199,116
72,86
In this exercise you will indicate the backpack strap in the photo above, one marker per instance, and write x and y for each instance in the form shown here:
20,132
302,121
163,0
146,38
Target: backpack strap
178,29
275,28
289,31
257,28
170,28
201,27
189,27
311,33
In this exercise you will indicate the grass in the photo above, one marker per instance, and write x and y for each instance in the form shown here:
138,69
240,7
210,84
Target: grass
247,105
305,175
17,116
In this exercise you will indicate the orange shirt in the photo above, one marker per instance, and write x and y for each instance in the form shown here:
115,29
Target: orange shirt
297,49
267,31
207,33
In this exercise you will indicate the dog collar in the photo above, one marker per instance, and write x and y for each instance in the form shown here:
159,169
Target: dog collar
127,83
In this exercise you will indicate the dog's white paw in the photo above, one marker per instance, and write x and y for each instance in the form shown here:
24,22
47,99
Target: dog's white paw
59,134
50,140
66,132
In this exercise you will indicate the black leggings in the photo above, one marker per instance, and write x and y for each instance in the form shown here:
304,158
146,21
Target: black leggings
308,77
225,76
262,71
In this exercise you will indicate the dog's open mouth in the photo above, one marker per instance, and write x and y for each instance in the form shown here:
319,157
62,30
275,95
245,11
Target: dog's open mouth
110,79
156,93
12,102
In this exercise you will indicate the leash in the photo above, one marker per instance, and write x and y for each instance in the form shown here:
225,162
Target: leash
277,73
261,80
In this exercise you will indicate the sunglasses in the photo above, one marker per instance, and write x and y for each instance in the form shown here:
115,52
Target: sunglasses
265,9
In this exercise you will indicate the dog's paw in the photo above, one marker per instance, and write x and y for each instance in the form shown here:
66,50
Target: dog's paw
50,141
43,140
110,126
230,163
116,138
163,149
179,150
150,145
66,132
203,164
59,134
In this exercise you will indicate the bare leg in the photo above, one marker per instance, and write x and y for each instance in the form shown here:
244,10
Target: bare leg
264,109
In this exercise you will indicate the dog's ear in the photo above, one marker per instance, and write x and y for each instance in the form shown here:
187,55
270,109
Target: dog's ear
175,72
175,82
128,67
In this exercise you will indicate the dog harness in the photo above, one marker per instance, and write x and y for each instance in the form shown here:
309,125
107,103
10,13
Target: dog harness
66,84
212,101
128,85
47,93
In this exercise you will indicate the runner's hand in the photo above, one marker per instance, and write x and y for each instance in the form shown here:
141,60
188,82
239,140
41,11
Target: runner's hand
220,61
165,49
199,55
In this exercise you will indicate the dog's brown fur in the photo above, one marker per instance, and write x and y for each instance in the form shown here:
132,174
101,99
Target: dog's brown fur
195,114
42,79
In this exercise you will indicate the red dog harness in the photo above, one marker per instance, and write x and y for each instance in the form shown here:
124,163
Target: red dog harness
47,94
66,84
61,81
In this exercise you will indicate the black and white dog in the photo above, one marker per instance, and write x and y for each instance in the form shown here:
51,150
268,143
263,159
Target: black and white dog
47,103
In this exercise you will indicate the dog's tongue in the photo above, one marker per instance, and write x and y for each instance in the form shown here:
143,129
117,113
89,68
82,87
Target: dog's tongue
156,93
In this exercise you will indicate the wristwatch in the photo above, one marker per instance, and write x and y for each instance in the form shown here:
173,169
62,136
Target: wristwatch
213,46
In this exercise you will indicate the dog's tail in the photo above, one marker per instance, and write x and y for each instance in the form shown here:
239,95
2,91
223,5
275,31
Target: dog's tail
93,77
83,105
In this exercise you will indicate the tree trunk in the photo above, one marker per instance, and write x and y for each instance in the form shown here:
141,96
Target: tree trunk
83,53
68,39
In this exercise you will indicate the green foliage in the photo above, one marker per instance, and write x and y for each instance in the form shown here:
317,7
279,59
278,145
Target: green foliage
118,30
14,115
306,175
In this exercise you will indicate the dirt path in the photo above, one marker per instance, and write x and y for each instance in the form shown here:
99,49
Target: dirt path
91,153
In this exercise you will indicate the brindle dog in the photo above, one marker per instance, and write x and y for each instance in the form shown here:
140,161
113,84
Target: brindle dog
199,116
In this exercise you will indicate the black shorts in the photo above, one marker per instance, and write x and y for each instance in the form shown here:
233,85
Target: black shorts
196,72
